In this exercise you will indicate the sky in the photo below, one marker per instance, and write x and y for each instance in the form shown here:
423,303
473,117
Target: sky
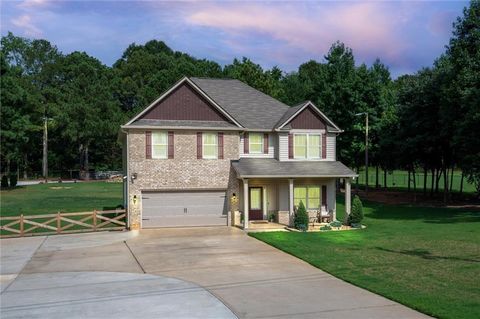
405,35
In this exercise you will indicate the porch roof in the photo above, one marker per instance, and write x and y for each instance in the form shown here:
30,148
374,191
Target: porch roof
272,168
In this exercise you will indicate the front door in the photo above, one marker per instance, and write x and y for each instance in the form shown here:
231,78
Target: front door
255,203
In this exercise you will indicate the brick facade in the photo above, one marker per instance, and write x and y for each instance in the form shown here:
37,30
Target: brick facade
184,171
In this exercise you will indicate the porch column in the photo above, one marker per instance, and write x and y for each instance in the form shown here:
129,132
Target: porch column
290,198
246,194
348,201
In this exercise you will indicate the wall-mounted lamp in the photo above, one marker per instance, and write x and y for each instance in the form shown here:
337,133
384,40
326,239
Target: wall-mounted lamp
133,177
134,200
234,198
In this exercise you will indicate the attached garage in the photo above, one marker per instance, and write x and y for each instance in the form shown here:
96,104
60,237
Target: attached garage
184,209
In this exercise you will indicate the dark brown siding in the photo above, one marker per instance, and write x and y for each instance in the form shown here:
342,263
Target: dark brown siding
184,103
246,144
308,119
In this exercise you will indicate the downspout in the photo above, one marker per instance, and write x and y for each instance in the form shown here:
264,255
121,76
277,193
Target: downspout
126,193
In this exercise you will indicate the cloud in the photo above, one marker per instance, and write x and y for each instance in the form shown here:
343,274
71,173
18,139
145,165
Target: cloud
25,23
370,28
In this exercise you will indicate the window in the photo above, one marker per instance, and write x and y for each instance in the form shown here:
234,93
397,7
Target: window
255,141
210,145
307,146
309,195
159,145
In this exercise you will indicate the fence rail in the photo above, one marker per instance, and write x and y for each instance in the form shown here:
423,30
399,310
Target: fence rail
62,223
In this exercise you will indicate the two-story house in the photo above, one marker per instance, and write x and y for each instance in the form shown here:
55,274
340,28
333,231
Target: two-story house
208,148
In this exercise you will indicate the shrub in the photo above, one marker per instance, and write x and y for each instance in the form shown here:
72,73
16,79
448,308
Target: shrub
326,227
13,180
301,217
356,216
336,223
4,183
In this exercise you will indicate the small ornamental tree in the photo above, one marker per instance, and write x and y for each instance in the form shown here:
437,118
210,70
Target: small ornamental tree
301,217
13,180
4,182
356,216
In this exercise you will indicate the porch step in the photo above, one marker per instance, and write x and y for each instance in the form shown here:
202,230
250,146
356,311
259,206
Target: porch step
259,222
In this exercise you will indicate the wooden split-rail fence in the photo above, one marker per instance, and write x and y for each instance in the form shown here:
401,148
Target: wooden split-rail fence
62,223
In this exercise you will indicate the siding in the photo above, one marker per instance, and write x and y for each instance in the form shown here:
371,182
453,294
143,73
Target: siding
331,147
272,143
307,119
283,147
184,103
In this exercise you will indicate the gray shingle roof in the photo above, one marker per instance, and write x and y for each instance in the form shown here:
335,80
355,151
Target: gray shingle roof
186,124
261,167
250,107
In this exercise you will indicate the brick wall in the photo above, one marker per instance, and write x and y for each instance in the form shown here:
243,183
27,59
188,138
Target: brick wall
184,171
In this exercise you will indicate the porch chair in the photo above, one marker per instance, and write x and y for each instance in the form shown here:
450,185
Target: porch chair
324,215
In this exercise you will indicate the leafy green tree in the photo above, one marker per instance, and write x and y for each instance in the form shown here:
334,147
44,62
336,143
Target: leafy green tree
301,217
356,216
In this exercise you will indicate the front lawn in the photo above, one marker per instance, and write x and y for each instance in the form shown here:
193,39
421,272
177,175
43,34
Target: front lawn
63,197
425,258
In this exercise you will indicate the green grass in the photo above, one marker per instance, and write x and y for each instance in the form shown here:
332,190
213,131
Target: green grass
72,197
399,179
425,258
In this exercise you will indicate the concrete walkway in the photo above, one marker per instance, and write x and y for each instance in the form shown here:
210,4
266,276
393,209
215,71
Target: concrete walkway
220,268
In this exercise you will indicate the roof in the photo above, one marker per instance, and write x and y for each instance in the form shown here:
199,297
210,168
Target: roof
250,107
144,123
246,107
272,168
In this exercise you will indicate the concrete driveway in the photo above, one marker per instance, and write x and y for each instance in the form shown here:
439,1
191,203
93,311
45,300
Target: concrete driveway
193,272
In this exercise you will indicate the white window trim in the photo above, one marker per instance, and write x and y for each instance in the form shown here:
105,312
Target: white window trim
307,146
250,143
216,146
159,156
307,198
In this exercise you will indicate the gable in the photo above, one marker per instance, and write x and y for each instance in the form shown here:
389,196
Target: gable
184,103
308,119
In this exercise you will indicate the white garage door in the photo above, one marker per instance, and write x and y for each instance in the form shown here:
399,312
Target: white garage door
183,209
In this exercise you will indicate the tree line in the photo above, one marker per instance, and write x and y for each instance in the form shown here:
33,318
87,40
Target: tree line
426,121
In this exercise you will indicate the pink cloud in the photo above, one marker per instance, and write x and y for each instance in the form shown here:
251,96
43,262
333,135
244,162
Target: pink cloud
25,23
366,27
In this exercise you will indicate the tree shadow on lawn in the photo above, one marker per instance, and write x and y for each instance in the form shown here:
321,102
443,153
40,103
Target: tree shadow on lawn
434,215
425,254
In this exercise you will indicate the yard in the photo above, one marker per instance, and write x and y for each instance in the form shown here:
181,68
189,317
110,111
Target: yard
398,179
63,197
425,258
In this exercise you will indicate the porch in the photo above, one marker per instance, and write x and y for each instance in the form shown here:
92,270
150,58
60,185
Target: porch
271,190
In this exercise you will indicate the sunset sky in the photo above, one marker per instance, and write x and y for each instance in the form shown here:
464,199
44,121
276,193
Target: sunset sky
405,35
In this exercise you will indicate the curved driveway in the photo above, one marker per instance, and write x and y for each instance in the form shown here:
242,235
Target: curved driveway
247,277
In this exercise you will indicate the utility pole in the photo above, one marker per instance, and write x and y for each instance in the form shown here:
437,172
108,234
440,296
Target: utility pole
45,149
366,149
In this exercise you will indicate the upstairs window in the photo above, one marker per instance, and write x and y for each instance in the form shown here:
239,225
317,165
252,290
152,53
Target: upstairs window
159,145
307,146
210,145
255,143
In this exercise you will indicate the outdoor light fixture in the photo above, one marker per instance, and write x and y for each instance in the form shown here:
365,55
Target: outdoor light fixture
133,177
234,198
134,199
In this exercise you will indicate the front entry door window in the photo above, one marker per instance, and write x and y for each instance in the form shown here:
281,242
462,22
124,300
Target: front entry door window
256,203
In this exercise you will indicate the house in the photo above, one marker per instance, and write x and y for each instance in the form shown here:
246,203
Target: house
210,148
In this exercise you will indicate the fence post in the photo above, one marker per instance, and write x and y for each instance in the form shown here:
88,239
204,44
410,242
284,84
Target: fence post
59,223
94,220
21,225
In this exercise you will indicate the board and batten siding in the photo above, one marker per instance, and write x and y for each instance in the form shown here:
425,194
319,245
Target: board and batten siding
283,147
272,143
